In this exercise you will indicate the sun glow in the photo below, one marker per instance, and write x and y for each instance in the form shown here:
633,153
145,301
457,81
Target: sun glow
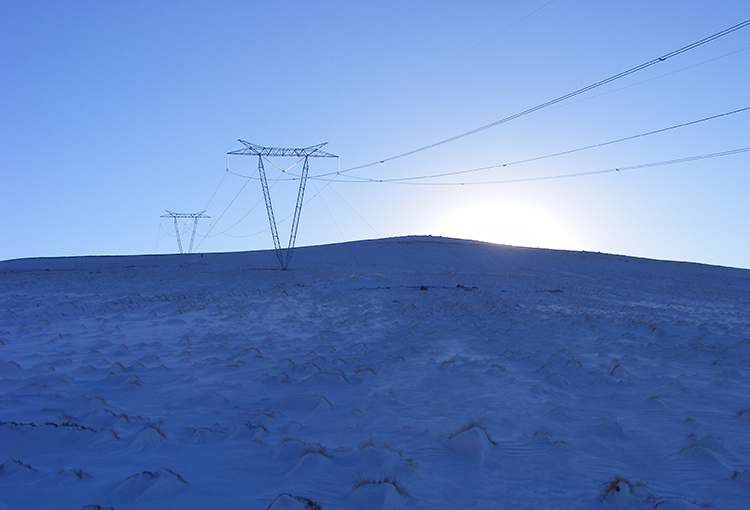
508,223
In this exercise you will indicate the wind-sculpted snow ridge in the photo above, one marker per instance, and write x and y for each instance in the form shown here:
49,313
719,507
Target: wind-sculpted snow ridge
416,373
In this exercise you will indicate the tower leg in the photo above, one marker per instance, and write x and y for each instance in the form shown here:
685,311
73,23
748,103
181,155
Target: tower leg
192,237
177,231
297,212
269,209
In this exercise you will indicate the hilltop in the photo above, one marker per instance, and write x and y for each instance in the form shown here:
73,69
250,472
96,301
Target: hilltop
414,372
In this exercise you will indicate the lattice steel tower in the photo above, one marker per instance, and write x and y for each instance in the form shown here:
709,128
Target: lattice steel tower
308,152
194,216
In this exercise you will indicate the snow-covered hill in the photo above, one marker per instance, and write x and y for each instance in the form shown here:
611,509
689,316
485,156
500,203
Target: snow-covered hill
414,372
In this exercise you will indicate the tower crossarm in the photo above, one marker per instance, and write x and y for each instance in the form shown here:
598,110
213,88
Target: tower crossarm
308,152
313,151
193,216
171,214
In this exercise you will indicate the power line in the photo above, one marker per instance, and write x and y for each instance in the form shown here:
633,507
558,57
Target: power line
682,69
562,98
330,213
221,181
398,252
537,158
223,213
577,174
355,212
409,180
278,179
224,232
588,98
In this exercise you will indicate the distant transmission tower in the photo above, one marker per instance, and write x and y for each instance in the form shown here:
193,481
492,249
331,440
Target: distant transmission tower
309,152
194,216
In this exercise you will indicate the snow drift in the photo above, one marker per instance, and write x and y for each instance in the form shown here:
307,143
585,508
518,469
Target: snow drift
401,373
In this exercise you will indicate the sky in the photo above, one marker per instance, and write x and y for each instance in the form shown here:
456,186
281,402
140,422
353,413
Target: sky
113,112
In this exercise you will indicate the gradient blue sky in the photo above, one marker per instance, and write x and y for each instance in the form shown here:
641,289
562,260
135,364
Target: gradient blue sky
114,111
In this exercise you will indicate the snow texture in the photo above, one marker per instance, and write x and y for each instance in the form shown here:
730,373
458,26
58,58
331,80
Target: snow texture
415,373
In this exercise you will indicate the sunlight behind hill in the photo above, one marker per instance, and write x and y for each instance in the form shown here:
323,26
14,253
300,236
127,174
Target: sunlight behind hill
509,223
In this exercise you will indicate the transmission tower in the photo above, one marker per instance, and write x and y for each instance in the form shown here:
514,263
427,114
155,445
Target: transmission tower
309,152
194,216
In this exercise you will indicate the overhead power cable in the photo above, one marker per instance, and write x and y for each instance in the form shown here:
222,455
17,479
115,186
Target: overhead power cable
577,174
537,158
658,77
562,98
223,213
213,195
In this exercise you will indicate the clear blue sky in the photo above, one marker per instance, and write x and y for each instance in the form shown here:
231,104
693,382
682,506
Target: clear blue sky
112,112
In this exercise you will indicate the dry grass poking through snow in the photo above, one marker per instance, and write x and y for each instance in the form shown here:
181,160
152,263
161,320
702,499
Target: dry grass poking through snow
351,384
473,424
360,481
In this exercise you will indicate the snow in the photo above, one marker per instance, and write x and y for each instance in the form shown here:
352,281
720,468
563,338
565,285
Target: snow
415,373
